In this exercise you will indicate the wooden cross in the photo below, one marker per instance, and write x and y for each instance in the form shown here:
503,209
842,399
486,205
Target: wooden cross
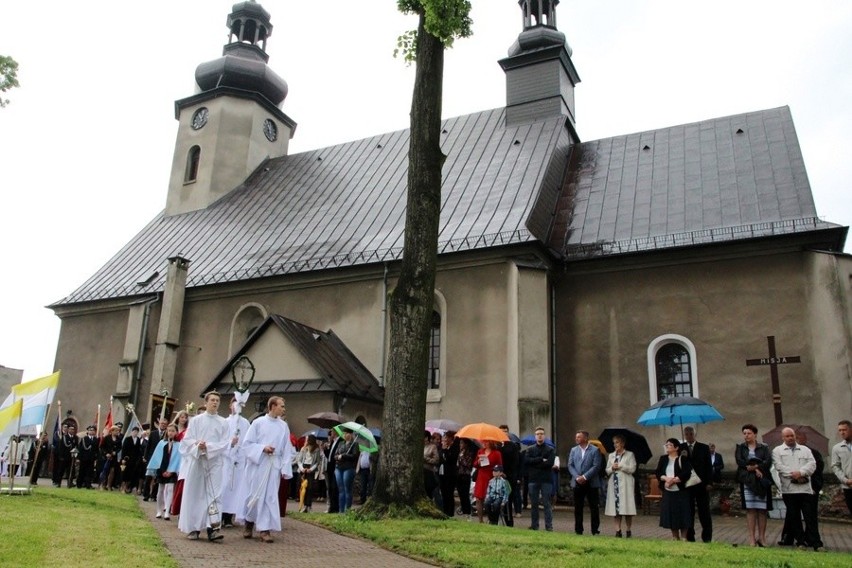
773,361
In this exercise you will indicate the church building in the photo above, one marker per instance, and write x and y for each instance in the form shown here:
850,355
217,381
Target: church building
578,282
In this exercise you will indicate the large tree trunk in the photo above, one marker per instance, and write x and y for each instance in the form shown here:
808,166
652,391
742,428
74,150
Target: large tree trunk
400,475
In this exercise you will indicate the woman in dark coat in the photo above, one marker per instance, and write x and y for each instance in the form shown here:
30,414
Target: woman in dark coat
673,471
753,462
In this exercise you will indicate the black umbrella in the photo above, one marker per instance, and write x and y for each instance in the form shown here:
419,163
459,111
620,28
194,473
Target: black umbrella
634,441
326,419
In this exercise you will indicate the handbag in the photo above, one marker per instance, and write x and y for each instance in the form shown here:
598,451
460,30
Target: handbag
693,478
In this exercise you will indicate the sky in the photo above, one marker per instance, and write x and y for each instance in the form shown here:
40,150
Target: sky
86,143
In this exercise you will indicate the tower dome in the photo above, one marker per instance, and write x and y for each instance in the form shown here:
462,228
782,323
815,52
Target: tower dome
243,64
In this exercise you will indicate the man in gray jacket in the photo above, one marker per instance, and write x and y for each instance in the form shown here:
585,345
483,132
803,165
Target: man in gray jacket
794,465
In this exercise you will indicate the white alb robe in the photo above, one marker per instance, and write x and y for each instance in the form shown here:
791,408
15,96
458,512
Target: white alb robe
263,471
234,466
203,482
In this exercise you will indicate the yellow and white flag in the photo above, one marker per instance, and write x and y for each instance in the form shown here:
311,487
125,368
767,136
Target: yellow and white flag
36,396
10,415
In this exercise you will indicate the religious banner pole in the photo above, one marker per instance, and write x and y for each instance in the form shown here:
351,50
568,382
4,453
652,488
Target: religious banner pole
39,444
773,361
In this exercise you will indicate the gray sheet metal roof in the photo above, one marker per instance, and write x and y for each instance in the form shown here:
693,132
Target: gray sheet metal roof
339,370
345,205
730,178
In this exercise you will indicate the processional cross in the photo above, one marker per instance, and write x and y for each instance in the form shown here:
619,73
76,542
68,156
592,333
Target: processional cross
773,361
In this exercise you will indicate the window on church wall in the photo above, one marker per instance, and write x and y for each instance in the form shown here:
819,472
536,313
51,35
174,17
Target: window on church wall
246,321
434,378
674,371
192,161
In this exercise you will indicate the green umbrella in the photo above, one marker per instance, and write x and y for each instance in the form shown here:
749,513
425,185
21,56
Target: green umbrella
366,440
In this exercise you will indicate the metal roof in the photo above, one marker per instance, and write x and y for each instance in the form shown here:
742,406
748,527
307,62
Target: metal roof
338,369
724,179
344,205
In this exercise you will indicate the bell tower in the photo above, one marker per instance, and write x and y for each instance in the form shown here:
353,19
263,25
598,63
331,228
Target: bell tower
233,122
540,76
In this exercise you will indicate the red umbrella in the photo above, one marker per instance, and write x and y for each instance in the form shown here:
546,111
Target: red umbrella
482,431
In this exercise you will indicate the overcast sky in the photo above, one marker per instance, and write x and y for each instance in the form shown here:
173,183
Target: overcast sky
86,143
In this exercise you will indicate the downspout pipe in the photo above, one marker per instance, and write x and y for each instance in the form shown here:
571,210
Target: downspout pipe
384,349
554,408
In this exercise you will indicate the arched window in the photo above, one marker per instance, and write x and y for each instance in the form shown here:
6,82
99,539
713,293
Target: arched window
434,378
192,161
672,368
247,319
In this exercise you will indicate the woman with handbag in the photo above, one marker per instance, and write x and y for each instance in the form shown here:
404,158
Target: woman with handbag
753,461
673,471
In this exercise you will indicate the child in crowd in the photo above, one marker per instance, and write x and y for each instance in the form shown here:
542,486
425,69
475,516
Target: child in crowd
497,497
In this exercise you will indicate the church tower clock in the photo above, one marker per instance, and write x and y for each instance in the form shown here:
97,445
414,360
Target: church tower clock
233,122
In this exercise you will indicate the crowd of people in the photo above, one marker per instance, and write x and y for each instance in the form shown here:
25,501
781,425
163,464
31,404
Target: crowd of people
215,473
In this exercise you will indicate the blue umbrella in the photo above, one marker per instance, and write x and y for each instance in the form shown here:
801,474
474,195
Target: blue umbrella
529,440
319,434
677,410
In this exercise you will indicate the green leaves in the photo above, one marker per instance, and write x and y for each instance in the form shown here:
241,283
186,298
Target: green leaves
446,20
8,76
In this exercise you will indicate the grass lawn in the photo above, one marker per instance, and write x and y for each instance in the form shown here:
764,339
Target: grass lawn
77,527
451,543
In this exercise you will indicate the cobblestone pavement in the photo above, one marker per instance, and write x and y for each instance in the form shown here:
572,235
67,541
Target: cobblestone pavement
317,546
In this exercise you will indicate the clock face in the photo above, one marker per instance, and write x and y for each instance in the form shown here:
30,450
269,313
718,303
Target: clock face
270,130
199,118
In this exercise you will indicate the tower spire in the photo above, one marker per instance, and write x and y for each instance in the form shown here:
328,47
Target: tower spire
540,76
233,122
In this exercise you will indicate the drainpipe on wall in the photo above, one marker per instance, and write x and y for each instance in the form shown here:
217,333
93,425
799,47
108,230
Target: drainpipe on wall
384,325
553,405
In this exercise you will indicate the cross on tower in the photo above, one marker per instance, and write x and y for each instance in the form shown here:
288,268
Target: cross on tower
773,361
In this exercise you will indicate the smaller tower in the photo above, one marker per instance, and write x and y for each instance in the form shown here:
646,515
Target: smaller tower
540,76
233,122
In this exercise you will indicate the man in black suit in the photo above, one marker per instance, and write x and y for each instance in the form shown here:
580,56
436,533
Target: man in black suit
149,486
87,450
699,495
717,464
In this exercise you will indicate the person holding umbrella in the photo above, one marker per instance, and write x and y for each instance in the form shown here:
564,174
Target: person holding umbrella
344,471
621,497
486,458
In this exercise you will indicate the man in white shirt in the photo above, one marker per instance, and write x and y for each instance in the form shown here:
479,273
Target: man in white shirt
794,465
203,447
269,456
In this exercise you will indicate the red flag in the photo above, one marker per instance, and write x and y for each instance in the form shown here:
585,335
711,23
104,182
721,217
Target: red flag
108,423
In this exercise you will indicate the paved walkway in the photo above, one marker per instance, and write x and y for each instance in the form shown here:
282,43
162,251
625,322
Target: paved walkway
317,546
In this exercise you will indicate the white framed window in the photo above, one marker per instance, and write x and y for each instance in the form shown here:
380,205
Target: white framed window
436,379
672,367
